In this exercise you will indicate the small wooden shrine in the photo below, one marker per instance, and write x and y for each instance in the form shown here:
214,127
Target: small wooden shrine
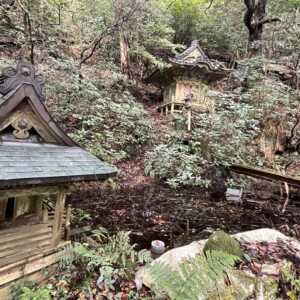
38,164
187,78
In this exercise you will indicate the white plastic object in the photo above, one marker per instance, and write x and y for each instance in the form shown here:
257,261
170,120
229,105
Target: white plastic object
158,247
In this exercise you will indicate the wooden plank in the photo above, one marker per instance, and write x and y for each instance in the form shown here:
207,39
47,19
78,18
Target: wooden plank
19,262
25,241
264,174
24,255
29,268
21,248
44,190
37,277
45,252
58,217
22,230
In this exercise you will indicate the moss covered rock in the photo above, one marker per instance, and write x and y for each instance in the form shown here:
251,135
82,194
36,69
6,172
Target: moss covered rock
221,241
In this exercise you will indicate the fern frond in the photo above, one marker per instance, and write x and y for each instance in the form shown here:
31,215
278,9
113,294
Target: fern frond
197,278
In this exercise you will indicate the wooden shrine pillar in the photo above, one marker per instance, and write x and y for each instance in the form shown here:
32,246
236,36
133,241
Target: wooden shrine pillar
3,203
172,108
68,223
58,217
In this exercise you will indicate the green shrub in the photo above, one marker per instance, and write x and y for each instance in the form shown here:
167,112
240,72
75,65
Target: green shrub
176,164
30,291
105,261
107,120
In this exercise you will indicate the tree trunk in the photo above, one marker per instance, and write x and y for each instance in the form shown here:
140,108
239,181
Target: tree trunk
124,46
254,19
254,15
273,139
124,56
28,50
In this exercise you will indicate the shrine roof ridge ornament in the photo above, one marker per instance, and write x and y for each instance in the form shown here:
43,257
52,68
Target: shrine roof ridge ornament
194,45
24,72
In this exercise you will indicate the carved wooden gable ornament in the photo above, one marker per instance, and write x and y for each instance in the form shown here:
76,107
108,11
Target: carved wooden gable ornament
11,78
22,107
33,148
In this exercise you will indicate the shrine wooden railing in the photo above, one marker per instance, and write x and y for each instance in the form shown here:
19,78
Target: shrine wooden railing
177,107
49,214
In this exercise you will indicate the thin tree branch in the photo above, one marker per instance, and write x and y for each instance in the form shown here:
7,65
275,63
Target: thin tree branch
210,4
28,29
269,20
113,29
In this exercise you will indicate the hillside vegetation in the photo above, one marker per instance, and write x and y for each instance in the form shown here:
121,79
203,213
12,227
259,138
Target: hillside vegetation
97,57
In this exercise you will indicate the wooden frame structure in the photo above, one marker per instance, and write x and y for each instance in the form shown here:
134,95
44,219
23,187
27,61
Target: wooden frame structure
178,107
189,73
38,163
33,236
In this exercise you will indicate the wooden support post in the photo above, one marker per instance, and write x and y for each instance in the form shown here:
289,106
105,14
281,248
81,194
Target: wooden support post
3,204
45,217
189,119
68,223
188,106
172,108
36,205
58,217
167,109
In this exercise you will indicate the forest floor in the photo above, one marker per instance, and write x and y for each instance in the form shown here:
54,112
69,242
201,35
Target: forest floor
151,210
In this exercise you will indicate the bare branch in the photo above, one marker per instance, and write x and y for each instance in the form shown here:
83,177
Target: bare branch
210,4
268,20
28,30
91,48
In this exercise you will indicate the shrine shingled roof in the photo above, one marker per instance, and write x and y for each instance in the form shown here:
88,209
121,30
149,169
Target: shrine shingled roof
193,61
194,56
33,163
33,148
195,49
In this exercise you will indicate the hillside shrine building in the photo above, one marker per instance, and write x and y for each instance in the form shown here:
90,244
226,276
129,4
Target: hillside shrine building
38,164
187,78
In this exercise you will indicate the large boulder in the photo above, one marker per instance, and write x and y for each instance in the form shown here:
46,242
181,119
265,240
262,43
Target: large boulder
243,284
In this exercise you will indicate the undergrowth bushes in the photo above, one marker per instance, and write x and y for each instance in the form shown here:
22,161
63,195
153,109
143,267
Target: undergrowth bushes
229,136
176,163
101,267
108,121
